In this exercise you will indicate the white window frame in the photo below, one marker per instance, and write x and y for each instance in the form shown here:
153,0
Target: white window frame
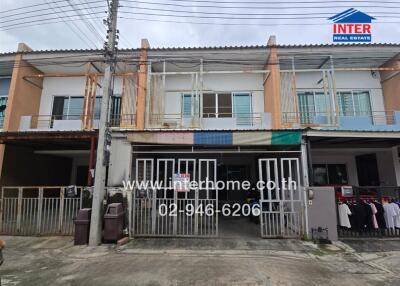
216,94
352,100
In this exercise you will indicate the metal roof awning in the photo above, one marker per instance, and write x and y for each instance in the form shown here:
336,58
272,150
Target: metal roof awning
353,139
48,139
217,138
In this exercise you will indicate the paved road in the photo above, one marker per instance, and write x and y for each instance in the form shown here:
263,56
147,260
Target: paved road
55,261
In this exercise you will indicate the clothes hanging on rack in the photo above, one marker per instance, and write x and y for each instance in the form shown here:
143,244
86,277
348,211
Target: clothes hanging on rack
380,215
374,212
344,213
390,215
396,217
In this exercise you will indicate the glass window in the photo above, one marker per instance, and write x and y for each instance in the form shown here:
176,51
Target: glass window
242,108
97,108
186,105
209,105
337,174
362,103
320,173
346,104
330,174
3,105
75,108
354,103
67,107
224,104
306,106
5,86
321,103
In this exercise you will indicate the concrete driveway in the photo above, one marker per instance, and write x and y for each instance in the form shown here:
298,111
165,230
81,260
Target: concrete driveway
55,261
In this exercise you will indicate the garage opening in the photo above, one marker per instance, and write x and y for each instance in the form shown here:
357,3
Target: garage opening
232,206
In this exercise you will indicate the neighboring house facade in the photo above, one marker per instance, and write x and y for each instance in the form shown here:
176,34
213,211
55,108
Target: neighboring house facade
315,113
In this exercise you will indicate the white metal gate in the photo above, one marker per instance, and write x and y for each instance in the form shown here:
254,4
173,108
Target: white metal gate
144,213
281,201
38,210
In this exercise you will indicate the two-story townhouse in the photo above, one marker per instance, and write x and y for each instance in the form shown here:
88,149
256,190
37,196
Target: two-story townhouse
49,135
321,115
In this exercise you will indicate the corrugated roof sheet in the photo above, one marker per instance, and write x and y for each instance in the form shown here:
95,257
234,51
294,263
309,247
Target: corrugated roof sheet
216,48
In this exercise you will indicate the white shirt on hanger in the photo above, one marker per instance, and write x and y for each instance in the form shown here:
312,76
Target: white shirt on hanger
396,218
344,212
390,215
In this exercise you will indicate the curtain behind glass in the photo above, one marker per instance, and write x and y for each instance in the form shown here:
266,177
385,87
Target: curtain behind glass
242,108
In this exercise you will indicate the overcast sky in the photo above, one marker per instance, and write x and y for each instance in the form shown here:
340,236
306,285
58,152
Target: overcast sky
78,34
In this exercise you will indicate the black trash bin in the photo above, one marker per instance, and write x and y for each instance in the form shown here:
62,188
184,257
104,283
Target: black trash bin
113,222
82,227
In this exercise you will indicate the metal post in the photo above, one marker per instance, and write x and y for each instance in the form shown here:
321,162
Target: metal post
91,159
61,215
40,209
99,180
304,166
1,209
19,209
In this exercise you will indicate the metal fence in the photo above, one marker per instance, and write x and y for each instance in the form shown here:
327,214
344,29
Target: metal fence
38,210
369,194
148,219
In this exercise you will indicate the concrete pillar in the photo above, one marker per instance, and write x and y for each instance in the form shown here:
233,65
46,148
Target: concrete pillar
390,81
142,86
272,100
23,96
396,164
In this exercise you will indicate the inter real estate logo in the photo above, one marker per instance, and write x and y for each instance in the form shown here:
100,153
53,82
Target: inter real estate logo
352,26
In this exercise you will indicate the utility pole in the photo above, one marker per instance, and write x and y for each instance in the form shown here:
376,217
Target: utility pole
104,133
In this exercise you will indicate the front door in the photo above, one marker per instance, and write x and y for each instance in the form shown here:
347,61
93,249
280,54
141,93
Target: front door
367,170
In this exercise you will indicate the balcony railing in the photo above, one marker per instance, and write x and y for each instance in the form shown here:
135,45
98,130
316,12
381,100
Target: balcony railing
123,120
57,122
357,120
73,122
209,121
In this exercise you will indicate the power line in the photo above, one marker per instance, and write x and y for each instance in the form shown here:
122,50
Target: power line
45,19
226,17
223,2
261,7
245,14
239,24
46,9
29,6
87,22
79,33
44,14
46,22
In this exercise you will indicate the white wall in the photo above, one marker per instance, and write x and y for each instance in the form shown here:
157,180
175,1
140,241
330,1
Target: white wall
387,173
384,158
322,157
346,80
120,162
67,86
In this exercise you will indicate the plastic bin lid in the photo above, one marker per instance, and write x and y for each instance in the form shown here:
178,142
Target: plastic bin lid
115,209
84,214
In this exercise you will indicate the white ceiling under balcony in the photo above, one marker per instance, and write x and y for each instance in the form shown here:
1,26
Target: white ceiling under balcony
77,63
213,59
342,57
